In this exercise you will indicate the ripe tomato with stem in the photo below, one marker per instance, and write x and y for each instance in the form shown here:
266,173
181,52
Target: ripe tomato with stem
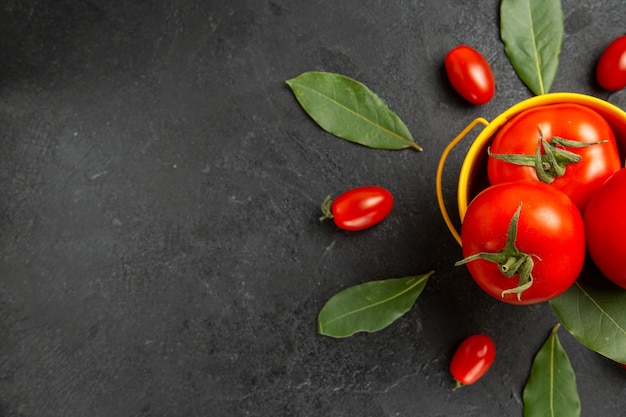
569,146
523,242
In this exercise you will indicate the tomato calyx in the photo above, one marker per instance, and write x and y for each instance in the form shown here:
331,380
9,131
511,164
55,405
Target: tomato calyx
553,161
511,261
326,208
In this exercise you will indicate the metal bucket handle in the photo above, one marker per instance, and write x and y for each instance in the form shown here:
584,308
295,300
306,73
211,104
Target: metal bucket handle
440,166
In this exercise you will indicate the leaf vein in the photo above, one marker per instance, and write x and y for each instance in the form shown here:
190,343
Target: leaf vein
368,306
607,315
358,115
537,58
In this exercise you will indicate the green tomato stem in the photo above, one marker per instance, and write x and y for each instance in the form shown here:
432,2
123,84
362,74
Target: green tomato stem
553,161
458,384
511,261
326,208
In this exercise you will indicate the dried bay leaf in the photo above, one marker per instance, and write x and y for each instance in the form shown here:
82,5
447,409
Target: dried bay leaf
370,306
348,109
551,389
532,32
593,310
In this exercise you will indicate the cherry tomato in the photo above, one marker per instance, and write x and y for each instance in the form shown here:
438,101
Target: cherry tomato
611,69
522,135
605,227
523,242
470,74
472,359
359,208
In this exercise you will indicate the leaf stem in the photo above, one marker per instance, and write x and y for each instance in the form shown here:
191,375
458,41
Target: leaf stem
326,208
416,147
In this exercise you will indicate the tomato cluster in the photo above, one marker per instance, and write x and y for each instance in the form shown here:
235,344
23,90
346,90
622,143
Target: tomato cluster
557,190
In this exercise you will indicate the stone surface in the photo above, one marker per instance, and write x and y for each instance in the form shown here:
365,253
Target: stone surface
160,248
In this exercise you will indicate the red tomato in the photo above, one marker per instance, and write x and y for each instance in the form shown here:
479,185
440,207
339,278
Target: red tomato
359,208
574,122
611,69
470,74
605,227
539,258
472,359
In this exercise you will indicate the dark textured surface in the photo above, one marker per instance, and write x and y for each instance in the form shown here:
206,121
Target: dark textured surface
160,249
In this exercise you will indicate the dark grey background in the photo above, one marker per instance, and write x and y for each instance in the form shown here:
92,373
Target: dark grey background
160,248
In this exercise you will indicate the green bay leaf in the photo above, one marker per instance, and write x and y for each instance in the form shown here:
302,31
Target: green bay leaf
551,389
593,310
532,32
370,306
349,110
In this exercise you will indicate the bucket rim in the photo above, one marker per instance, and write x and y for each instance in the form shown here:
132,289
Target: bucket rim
474,153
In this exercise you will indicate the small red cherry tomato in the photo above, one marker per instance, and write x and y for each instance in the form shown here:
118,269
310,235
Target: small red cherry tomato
611,69
605,228
472,359
359,208
470,74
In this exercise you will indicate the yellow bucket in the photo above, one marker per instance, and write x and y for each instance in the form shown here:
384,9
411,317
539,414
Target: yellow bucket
473,175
